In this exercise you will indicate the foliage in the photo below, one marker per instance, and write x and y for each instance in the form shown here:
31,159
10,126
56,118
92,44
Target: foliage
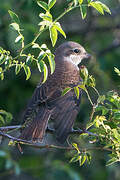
105,116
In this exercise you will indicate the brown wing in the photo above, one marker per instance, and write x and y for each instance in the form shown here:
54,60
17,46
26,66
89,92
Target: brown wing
64,115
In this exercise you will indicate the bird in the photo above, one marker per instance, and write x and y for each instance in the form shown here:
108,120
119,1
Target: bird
47,102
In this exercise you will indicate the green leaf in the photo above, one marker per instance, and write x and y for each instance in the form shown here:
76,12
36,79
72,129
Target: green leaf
17,68
117,71
105,8
29,59
97,6
88,156
35,45
44,46
75,158
65,91
45,72
40,65
83,10
19,38
51,3
101,99
2,122
15,26
43,5
41,56
53,35
82,159
1,73
77,92
80,1
14,17
76,147
112,161
27,71
2,59
47,16
59,28
52,63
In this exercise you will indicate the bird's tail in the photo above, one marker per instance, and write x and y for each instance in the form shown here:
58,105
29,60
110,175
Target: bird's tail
35,129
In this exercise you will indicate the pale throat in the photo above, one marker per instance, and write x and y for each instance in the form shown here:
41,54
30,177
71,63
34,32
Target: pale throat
76,60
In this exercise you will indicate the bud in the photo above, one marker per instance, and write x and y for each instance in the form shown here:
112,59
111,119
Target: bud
84,73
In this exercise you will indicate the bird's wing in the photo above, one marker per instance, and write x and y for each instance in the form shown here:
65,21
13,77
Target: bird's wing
37,115
64,114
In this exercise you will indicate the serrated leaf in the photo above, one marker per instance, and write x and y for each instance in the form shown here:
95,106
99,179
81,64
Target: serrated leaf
80,1
43,5
83,10
51,3
77,92
59,28
97,6
15,26
17,68
52,63
14,17
27,71
53,35
19,38
65,91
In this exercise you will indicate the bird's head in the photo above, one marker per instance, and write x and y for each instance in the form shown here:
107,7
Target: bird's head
72,51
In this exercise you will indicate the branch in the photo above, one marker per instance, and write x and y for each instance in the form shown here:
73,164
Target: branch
50,146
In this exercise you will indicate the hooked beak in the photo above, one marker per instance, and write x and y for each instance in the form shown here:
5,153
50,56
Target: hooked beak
87,56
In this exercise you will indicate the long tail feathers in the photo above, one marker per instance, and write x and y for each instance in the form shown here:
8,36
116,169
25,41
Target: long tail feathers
35,130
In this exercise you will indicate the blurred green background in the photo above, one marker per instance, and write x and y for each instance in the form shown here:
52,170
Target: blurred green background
100,35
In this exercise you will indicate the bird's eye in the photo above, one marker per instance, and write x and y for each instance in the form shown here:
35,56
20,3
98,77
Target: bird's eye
76,51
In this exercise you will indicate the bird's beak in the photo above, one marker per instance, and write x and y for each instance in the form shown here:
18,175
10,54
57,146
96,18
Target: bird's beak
86,56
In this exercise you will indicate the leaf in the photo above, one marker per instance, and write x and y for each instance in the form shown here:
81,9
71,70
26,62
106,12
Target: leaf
82,159
44,46
53,35
112,161
88,156
80,1
83,10
27,71
51,3
101,99
58,27
47,17
2,59
76,147
97,6
65,91
14,17
43,5
35,45
41,56
75,158
117,71
2,122
40,66
17,68
19,38
45,72
105,8
77,92
15,26
52,63
29,59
